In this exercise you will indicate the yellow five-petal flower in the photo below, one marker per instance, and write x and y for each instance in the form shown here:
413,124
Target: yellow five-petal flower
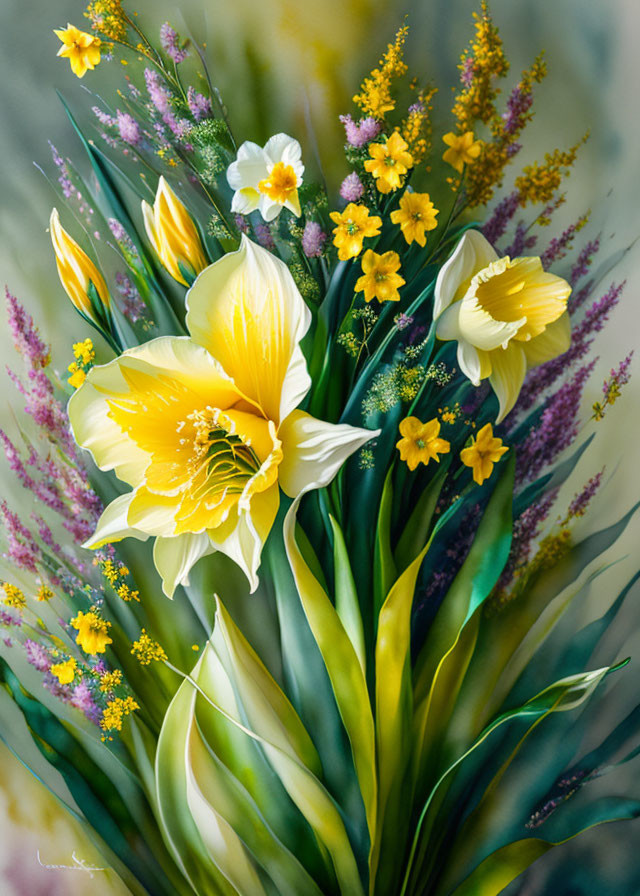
421,442
353,225
380,279
389,162
483,452
80,48
205,428
463,149
416,215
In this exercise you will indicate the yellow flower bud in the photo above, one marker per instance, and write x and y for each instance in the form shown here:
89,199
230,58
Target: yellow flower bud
76,271
173,234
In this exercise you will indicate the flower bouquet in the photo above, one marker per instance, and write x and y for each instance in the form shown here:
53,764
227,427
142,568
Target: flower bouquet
297,609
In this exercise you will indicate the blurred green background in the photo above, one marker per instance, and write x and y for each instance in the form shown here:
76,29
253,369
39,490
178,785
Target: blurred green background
280,65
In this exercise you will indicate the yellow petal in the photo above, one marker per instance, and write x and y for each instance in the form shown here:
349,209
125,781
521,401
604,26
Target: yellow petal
244,533
555,341
247,311
113,524
508,368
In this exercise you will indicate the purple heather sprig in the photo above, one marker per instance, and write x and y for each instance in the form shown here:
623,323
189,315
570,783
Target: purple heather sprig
170,42
199,105
351,188
360,133
313,240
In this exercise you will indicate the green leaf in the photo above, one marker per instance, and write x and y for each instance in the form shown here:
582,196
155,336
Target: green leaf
561,696
415,532
384,567
468,591
344,669
346,595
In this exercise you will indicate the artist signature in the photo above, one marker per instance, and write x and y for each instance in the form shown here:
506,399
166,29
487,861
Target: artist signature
78,865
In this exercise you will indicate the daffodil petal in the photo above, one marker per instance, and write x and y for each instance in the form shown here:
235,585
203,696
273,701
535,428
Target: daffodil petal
249,168
448,324
314,451
472,254
508,369
282,148
245,201
269,208
89,410
113,525
473,363
555,341
244,533
175,557
247,311
479,327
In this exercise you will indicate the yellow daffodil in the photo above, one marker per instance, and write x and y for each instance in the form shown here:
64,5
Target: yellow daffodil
380,279
506,315
93,632
205,428
173,235
80,48
389,162
353,225
421,442
485,450
77,271
463,149
65,672
267,178
416,215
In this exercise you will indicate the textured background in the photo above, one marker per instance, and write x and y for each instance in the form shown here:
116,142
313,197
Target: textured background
271,60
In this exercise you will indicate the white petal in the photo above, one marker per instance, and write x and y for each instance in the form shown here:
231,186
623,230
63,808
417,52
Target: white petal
447,325
314,451
555,341
244,533
472,254
245,201
249,168
269,208
247,310
282,148
508,369
113,525
472,362
175,557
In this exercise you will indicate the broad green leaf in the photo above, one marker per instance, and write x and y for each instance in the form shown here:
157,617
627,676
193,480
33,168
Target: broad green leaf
343,666
468,591
273,721
561,696
384,567
346,596
505,864
416,530
394,706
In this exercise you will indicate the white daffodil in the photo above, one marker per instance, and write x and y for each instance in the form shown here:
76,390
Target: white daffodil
205,428
506,315
267,178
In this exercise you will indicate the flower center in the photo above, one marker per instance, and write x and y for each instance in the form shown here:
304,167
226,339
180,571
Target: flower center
229,460
281,183
380,276
389,161
351,227
499,289
421,443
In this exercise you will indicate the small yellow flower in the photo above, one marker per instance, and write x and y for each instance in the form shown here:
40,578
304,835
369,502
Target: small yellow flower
77,271
65,672
44,593
420,442
380,279
109,681
80,48
115,711
389,162
13,596
416,215
463,149
147,651
93,632
485,450
354,224
173,235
